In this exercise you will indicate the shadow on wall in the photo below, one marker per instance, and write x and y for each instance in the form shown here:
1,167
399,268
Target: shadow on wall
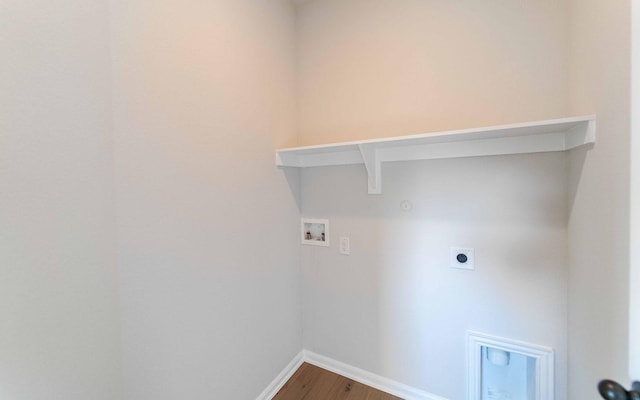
292,175
577,159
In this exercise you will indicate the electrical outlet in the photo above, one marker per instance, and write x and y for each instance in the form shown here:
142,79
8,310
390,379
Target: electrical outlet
345,248
462,258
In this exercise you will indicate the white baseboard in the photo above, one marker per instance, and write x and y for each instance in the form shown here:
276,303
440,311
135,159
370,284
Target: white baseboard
370,379
282,378
375,381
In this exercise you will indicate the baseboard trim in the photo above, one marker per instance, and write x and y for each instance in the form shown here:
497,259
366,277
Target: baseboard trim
370,379
365,377
282,378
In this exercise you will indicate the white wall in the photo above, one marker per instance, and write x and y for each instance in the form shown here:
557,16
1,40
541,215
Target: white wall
384,68
380,68
59,330
207,226
394,307
599,222
634,245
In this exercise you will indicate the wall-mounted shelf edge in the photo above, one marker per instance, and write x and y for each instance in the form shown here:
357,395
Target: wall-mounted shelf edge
530,137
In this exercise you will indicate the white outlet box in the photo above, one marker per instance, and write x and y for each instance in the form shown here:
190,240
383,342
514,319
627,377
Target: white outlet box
315,231
462,258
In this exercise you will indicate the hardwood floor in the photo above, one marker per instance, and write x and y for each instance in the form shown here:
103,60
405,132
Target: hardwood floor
312,383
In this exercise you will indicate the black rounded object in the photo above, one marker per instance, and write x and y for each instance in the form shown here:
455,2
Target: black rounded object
611,390
462,258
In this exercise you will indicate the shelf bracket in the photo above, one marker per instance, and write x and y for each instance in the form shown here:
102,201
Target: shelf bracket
372,164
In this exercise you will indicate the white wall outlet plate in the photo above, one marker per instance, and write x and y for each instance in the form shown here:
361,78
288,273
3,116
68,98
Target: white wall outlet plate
345,248
462,257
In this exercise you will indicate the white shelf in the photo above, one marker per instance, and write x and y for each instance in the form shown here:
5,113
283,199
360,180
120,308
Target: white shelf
530,137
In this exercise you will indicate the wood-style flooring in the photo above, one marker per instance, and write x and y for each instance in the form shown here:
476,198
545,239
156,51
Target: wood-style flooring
312,383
